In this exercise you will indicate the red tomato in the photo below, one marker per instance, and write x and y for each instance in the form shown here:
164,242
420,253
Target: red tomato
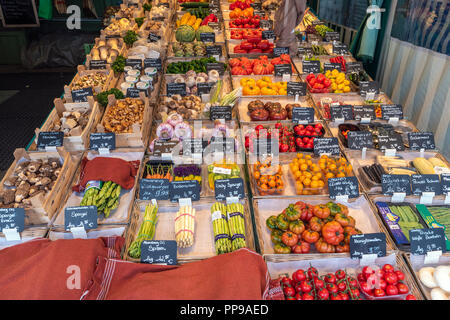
402,288
380,273
286,281
388,268
305,286
289,291
298,288
352,281
330,278
312,272
379,293
307,296
335,297
382,284
391,278
361,277
332,288
290,298
344,296
299,275
318,283
391,290
323,294
366,289
400,275
367,271
342,286
356,294
340,274
410,297
298,296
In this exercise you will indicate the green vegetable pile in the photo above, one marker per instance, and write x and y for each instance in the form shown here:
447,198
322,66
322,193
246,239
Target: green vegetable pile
319,50
102,97
139,21
198,65
236,223
323,29
105,199
201,13
408,219
119,64
146,231
147,7
130,38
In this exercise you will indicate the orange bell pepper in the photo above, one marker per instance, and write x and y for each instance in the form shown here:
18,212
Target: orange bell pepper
282,92
268,91
262,83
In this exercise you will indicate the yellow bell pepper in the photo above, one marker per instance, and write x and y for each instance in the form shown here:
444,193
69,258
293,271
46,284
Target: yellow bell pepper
262,83
268,91
192,21
282,92
185,18
197,24
247,82
267,79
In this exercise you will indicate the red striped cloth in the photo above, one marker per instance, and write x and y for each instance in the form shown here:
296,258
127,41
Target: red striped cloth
60,270
241,275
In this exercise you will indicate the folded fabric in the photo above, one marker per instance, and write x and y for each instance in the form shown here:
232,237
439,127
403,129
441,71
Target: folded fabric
53,270
241,275
275,290
116,170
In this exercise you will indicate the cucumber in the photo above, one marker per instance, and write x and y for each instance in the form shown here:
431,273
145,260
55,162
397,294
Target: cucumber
195,5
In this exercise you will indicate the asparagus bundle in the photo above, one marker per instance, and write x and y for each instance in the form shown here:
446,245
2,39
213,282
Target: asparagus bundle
105,199
184,226
236,223
146,231
220,226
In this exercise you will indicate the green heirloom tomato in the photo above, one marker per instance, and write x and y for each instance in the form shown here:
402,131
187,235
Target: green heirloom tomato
281,248
276,236
282,222
271,222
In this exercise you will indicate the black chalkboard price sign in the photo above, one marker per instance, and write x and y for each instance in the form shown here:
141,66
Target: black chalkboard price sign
193,146
344,112
426,183
227,188
427,240
162,146
332,36
340,49
445,181
84,216
50,139
296,88
305,51
184,189
133,93
389,111
368,243
81,95
263,146
153,63
97,64
391,140
154,37
19,13
220,112
215,50
204,87
330,66
281,69
326,146
399,183
309,66
176,88
278,51
421,140
219,66
102,140
363,112
159,252
154,189
266,24
12,218
303,114
354,66
368,87
346,186
357,140
208,37
268,35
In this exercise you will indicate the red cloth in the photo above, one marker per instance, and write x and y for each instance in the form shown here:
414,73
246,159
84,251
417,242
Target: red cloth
116,170
38,269
241,275
275,290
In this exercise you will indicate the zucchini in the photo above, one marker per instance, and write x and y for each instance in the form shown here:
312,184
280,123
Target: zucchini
195,5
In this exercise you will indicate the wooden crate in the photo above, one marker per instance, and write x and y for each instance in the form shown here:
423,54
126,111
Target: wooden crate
153,96
82,71
122,49
45,206
139,138
203,247
122,32
73,143
66,200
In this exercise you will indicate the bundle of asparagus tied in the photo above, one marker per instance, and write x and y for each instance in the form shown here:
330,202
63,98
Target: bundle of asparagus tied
236,224
184,227
221,231
146,231
105,199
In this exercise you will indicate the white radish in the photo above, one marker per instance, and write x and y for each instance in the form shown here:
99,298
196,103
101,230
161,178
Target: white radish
426,276
442,277
439,294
